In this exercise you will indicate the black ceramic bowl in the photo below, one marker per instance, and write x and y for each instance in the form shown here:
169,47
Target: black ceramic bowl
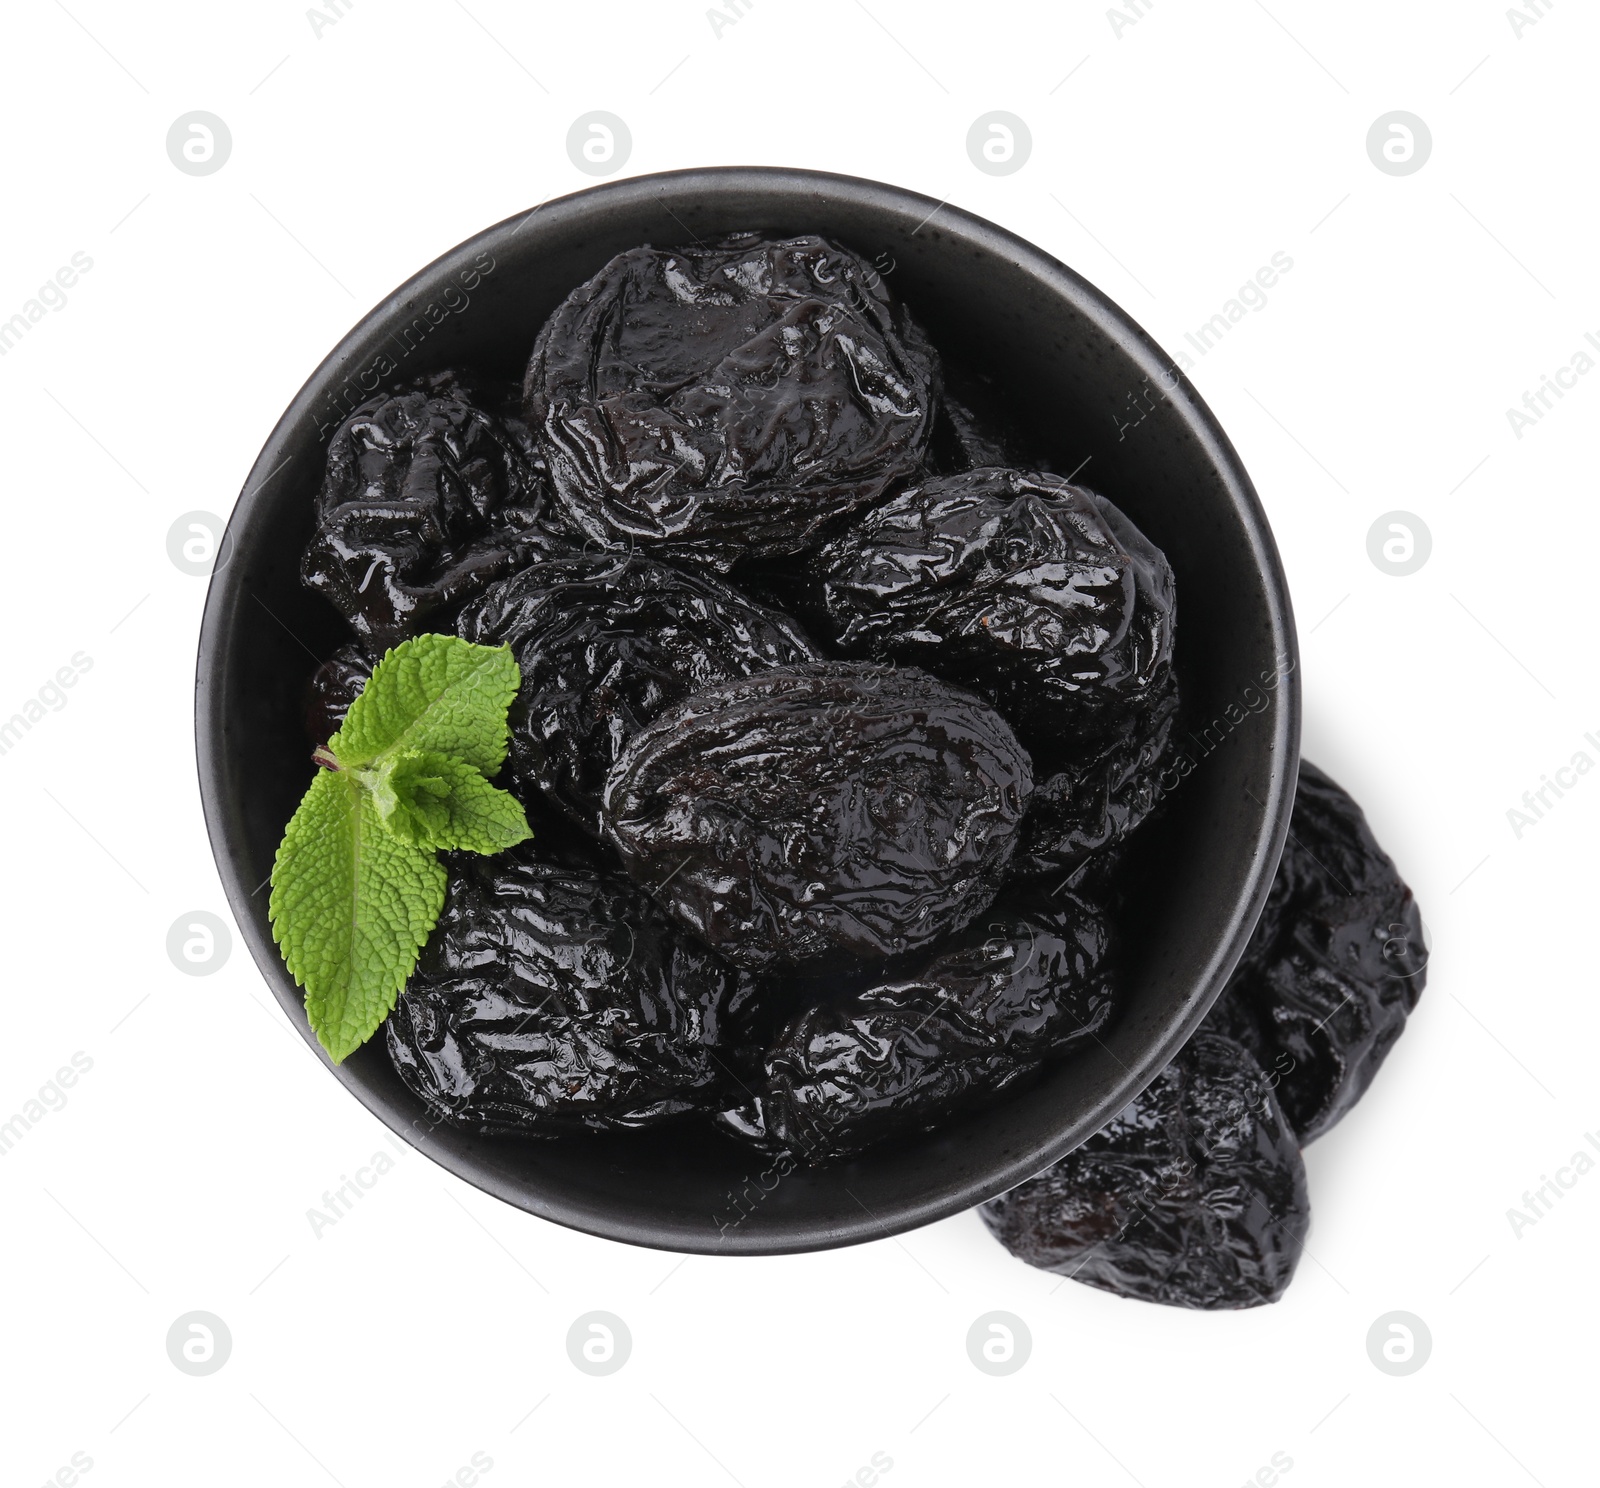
1065,360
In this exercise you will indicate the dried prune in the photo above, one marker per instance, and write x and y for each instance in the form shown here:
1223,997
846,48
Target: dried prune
427,499
1194,1196
826,810
1099,791
605,643
554,998
1038,594
727,400
1335,966
333,688
1025,983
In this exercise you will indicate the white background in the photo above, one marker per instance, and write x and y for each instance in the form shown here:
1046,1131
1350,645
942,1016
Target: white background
1184,150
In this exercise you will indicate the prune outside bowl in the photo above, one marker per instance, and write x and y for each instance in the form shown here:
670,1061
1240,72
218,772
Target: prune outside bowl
1101,398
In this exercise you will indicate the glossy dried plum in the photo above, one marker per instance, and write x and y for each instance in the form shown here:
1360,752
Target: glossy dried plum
1024,984
1335,966
605,643
1038,594
1091,802
554,999
828,810
727,400
333,687
1194,1196
427,499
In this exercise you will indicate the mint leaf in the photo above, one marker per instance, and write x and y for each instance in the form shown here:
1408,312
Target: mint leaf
434,693
434,800
351,907
356,888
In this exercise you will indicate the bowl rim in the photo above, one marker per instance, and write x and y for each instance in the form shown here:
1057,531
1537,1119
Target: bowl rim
1109,320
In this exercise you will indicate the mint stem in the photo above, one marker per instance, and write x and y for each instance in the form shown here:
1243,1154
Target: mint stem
325,757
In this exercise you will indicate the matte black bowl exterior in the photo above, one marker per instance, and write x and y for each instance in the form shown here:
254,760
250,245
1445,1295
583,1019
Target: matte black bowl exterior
1068,359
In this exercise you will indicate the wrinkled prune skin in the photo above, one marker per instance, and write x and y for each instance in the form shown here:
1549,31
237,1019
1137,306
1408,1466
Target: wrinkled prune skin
1039,595
427,499
1101,791
1025,983
1335,966
558,998
1195,1196
830,810
727,400
333,687
605,643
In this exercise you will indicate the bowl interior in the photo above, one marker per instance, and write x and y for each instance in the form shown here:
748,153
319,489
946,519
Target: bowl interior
1098,397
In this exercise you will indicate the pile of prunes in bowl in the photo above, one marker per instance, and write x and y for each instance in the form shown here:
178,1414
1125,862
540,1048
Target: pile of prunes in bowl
836,714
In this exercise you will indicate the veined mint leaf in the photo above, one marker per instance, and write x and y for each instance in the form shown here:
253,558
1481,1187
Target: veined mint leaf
356,888
351,907
437,801
437,694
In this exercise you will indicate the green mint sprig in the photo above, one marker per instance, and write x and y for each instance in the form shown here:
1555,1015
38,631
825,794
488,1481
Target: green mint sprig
356,885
